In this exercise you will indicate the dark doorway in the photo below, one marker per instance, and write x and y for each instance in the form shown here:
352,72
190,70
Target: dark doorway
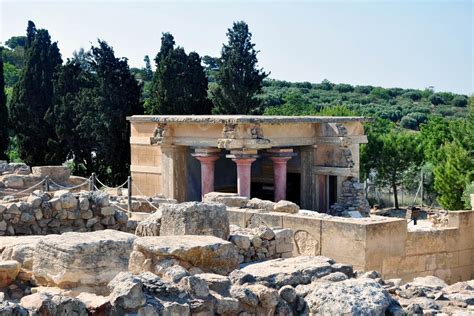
293,187
332,190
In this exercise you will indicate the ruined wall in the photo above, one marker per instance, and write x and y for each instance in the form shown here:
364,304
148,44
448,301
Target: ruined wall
380,243
59,212
352,198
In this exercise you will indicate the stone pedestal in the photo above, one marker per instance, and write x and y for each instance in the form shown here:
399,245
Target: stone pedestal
244,160
280,158
207,157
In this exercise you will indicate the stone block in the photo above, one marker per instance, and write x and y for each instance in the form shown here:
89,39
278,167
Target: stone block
256,219
56,173
194,218
307,234
209,253
228,199
8,272
89,259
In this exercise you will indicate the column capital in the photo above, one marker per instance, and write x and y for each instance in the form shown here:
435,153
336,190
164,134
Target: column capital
280,152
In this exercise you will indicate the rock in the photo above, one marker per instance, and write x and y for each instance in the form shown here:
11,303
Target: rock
107,211
13,181
430,282
244,295
83,203
10,308
208,253
291,271
68,200
19,248
95,304
265,233
216,282
344,268
196,286
350,297
34,201
126,291
175,273
243,242
266,205
267,297
228,199
225,305
335,277
48,304
55,203
150,226
89,259
56,173
287,293
8,272
286,207
194,218
284,240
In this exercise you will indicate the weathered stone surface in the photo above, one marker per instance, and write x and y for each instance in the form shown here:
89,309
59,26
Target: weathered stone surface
9,308
127,291
216,282
56,173
228,199
68,200
19,248
8,272
194,218
208,253
286,207
430,282
291,271
82,258
256,203
48,304
13,181
349,297
150,226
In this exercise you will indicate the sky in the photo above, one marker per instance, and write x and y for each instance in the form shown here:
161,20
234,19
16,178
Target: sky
407,44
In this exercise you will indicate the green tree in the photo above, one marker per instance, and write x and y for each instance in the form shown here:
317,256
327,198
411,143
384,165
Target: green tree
238,79
179,84
148,72
3,113
452,174
33,96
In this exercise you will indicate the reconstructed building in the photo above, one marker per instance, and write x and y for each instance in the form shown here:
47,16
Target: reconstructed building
305,159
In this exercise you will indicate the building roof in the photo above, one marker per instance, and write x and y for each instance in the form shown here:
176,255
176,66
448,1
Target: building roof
250,119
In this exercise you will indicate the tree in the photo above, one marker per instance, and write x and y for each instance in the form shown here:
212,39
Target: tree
179,84
15,41
3,113
238,79
389,154
33,96
148,72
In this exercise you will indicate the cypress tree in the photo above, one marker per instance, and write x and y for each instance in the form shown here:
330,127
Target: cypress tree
179,84
238,79
32,97
3,113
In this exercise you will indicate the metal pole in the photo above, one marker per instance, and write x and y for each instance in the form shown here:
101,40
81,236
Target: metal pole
129,192
422,188
92,183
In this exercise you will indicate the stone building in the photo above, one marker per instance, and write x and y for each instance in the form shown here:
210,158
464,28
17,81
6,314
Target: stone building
308,160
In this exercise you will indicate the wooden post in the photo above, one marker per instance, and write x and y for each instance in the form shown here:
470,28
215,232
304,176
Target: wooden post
421,189
92,183
46,184
129,192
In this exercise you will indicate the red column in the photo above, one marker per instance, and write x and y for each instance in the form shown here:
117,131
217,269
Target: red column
279,177
207,173
244,166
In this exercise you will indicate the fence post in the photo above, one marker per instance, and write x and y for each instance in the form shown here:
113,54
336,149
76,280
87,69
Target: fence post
129,193
46,184
422,189
92,183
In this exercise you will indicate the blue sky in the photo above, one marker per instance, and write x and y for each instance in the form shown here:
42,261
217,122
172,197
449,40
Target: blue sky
384,43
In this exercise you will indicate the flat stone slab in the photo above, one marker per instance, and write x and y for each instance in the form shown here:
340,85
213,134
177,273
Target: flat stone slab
90,259
291,271
209,253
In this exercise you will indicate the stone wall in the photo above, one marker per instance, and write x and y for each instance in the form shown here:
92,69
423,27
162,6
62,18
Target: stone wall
377,243
62,211
352,198
261,243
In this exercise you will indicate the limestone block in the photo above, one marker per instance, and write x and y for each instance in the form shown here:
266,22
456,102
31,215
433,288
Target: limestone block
228,199
68,200
13,181
210,254
19,248
256,203
8,272
150,226
286,207
56,173
194,218
291,271
91,259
